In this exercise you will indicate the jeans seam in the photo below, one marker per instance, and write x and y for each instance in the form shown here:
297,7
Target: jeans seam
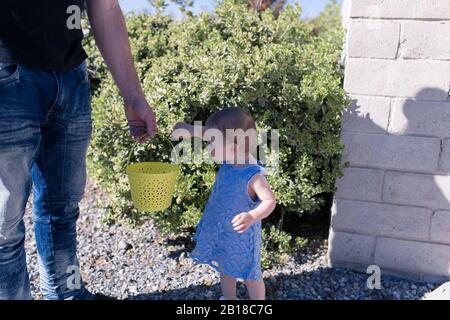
47,197
64,160
56,97
50,202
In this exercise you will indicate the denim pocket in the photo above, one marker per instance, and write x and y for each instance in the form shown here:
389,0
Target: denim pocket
9,72
83,73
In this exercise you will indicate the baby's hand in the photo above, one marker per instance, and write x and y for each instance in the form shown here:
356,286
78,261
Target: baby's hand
242,222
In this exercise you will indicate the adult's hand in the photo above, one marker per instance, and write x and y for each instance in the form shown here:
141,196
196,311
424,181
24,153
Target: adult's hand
141,119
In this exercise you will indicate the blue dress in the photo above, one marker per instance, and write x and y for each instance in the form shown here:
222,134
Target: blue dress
217,243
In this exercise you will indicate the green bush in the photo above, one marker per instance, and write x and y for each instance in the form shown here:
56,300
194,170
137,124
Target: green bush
287,76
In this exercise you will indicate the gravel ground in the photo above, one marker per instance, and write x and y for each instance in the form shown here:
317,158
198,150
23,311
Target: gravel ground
141,264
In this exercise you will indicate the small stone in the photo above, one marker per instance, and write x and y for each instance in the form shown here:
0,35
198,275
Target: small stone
133,289
124,246
207,282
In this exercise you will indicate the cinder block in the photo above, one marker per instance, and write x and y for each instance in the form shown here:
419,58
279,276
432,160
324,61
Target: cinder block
419,79
360,184
401,9
373,39
379,219
440,226
346,7
367,114
431,191
444,160
350,247
391,151
426,40
421,118
412,256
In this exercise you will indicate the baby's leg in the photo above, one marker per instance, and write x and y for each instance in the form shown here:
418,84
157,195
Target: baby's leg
256,289
228,284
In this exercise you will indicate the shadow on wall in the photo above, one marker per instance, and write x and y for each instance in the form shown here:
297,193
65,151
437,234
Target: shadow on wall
407,137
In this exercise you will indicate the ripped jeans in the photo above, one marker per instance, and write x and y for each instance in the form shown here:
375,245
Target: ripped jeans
45,129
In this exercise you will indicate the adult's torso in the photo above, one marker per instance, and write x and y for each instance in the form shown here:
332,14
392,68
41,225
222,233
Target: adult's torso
36,33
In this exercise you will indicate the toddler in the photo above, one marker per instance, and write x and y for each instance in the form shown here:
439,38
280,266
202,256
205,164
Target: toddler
228,236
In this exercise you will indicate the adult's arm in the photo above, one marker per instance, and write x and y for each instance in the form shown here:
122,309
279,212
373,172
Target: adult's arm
111,36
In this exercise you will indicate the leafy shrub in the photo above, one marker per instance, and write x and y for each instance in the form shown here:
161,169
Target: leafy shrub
287,76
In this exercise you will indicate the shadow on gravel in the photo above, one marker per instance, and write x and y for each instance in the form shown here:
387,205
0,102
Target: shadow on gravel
183,243
321,284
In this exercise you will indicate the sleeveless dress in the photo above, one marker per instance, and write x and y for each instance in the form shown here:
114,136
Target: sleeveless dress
217,243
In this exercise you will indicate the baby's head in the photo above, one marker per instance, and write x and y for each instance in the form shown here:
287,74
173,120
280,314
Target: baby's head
232,136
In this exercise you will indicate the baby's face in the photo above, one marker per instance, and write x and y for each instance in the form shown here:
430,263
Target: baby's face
224,150
217,147
219,151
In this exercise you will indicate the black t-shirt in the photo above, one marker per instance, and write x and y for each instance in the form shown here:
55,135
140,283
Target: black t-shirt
42,33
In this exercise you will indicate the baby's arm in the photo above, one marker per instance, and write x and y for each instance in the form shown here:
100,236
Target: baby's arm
261,188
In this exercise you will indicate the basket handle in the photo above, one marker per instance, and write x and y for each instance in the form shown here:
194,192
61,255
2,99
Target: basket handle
136,143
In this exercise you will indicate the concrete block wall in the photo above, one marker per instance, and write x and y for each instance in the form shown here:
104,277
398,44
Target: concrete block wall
392,207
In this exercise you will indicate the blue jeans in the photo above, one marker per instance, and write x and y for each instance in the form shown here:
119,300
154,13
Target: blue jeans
45,128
